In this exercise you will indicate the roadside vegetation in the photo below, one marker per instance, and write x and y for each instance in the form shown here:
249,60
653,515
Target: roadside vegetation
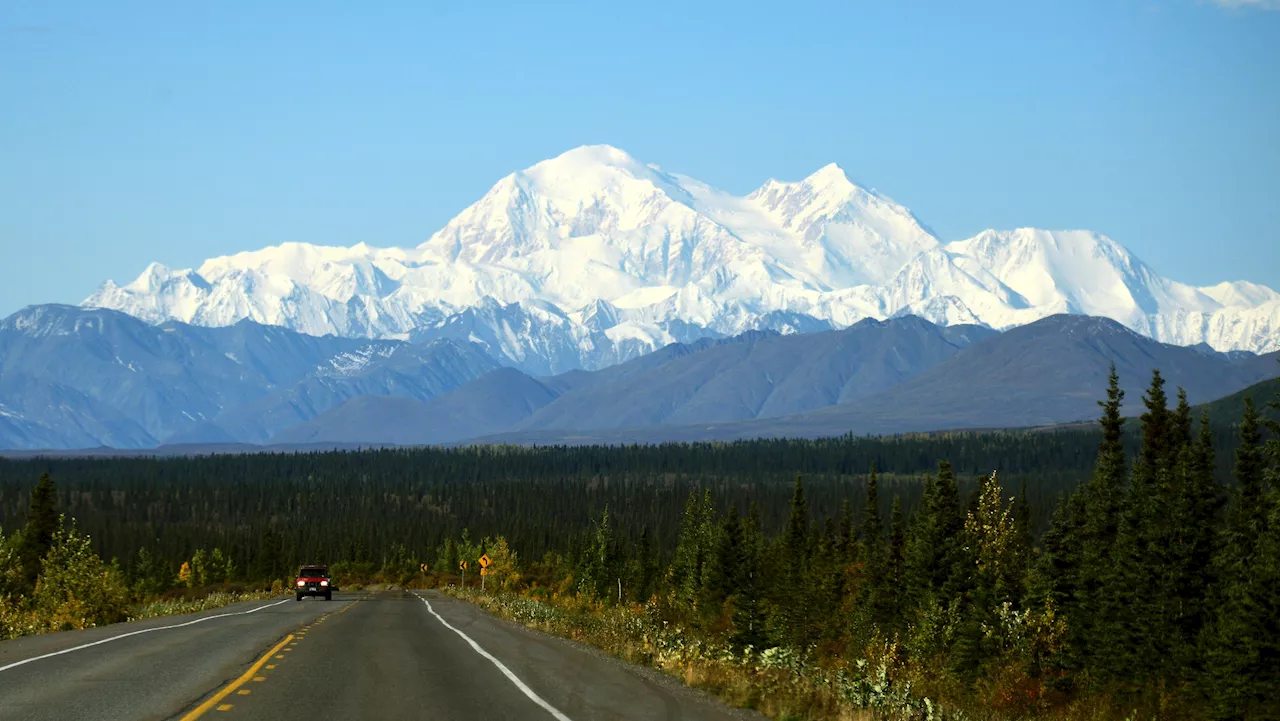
52,580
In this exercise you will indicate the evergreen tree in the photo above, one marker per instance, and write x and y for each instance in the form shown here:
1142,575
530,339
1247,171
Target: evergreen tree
644,568
600,561
797,622
749,618
1057,583
933,548
726,564
1187,530
1095,589
1181,420
1023,541
894,567
797,538
1241,640
1158,438
42,525
872,533
874,600
697,533
1250,509
1138,632
847,546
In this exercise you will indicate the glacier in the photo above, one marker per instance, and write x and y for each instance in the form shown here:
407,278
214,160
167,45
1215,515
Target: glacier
593,257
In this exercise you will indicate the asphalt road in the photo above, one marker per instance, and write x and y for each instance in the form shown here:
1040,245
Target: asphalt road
391,655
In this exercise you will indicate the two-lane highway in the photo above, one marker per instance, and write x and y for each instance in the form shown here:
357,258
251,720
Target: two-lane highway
392,655
150,669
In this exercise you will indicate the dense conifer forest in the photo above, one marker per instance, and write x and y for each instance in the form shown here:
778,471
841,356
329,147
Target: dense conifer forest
275,511
1130,570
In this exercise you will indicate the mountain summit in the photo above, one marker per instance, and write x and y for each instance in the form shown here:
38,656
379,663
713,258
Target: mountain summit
594,256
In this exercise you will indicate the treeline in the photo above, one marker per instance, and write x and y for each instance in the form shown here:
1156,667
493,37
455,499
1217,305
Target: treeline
272,512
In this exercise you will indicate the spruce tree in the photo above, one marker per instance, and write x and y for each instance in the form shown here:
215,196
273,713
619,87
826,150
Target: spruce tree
42,524
1181,420
749,618
1203,448
1056,584
1187,530
1241,641
644,570
874,598
797,538
1250,508
1134,610
872,532
794,598
725,565
895,566
1022,545
1100,502
1157,435
933,549
697,533
847,547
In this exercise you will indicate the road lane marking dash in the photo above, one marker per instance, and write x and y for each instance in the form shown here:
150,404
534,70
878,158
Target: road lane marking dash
15,664
225,707
505,671
203,708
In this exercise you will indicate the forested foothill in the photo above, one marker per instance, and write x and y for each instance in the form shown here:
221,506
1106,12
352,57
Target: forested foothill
1130,570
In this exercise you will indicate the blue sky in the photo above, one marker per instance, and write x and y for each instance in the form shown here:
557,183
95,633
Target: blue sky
132,132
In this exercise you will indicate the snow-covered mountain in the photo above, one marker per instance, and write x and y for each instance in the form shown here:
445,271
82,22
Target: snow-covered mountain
593,257
84,377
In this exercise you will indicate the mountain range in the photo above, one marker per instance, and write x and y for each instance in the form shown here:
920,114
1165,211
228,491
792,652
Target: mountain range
594,297
73,377
897,376
594,258
84,377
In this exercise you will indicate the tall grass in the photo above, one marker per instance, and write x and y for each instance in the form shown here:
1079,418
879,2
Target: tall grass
778,682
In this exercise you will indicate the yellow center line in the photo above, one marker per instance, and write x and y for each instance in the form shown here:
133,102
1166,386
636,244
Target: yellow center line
204,708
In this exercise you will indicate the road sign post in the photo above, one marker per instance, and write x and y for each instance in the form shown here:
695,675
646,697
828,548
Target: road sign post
484,569
463,566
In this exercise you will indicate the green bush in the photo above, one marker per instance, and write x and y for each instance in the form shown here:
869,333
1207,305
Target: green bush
76,589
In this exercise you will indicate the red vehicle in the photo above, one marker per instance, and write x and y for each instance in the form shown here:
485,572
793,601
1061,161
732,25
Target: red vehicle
314,581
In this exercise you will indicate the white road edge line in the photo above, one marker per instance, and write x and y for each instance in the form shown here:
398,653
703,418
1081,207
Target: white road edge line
505,671
15,664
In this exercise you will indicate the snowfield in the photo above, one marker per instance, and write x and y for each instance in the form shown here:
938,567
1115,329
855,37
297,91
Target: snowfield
594,257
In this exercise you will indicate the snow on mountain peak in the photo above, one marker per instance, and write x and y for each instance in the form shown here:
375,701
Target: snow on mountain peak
831,177
589,156
594,256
